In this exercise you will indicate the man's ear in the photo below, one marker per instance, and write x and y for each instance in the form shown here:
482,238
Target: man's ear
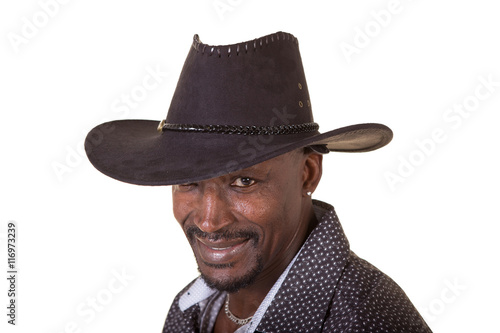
313,169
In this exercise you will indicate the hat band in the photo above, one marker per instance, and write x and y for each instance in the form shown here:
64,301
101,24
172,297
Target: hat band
240,130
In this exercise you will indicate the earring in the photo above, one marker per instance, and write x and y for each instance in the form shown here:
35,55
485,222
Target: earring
309,193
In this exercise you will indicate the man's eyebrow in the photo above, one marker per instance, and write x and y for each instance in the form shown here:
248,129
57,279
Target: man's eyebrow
253,169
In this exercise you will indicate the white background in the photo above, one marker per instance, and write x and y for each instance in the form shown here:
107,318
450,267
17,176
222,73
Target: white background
434,231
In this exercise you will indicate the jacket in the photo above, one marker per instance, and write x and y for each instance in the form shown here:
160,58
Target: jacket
327,288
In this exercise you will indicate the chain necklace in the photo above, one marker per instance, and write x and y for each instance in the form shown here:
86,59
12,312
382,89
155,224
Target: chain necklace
232,317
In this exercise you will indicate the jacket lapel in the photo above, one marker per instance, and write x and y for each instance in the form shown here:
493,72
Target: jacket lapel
302,302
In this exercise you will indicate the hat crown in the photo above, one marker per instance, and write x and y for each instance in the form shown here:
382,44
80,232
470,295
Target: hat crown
255,83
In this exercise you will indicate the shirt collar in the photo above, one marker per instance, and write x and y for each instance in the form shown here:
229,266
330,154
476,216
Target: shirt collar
198,292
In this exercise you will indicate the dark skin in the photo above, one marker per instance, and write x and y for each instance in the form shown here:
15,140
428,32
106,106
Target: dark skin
248,226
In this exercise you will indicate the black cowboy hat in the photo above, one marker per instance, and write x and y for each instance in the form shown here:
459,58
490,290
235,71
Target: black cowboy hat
234,106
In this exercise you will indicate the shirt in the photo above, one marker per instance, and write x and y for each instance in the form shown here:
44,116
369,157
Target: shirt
326,288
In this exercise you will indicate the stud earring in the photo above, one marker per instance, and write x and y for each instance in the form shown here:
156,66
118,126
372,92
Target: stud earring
309,193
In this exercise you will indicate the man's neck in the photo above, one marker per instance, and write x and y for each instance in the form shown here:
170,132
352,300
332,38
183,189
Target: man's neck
246,301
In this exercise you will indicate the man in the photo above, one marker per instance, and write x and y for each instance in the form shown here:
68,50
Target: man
243,155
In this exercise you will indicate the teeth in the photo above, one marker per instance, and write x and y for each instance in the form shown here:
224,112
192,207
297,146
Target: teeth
220,248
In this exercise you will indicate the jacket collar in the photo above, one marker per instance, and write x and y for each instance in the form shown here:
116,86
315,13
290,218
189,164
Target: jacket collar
304,296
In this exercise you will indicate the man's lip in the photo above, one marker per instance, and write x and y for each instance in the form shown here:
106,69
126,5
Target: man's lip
221,244
220,251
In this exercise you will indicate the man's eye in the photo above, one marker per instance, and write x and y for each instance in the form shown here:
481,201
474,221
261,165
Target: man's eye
186,187
243,182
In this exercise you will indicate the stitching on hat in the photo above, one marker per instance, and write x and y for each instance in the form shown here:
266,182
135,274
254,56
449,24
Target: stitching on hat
242,130
226,49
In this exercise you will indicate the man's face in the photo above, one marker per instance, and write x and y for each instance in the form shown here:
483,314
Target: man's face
245,226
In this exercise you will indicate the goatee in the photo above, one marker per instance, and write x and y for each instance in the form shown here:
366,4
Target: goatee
233,284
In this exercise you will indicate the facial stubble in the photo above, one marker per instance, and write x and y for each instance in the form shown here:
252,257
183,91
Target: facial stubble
232,284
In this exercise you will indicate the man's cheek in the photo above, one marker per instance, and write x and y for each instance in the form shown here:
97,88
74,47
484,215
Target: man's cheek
180,212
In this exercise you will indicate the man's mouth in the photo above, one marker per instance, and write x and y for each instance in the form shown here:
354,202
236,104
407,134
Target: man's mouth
221,251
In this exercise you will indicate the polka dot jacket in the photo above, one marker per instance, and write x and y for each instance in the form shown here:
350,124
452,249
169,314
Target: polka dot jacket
328,289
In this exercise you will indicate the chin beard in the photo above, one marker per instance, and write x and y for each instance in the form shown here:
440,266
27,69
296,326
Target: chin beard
232,285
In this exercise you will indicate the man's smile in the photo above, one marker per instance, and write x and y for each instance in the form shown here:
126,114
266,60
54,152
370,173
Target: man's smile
221,251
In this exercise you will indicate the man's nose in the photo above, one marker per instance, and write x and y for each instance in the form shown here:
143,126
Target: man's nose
213,211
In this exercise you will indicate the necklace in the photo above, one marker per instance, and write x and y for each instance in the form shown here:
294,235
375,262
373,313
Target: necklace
232,317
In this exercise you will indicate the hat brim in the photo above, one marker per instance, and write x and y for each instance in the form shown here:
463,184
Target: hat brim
133,151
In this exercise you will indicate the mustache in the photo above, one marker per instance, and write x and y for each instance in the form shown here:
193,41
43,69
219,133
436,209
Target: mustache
193,231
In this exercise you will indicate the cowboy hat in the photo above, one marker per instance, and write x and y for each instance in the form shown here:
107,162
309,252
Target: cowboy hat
234,106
